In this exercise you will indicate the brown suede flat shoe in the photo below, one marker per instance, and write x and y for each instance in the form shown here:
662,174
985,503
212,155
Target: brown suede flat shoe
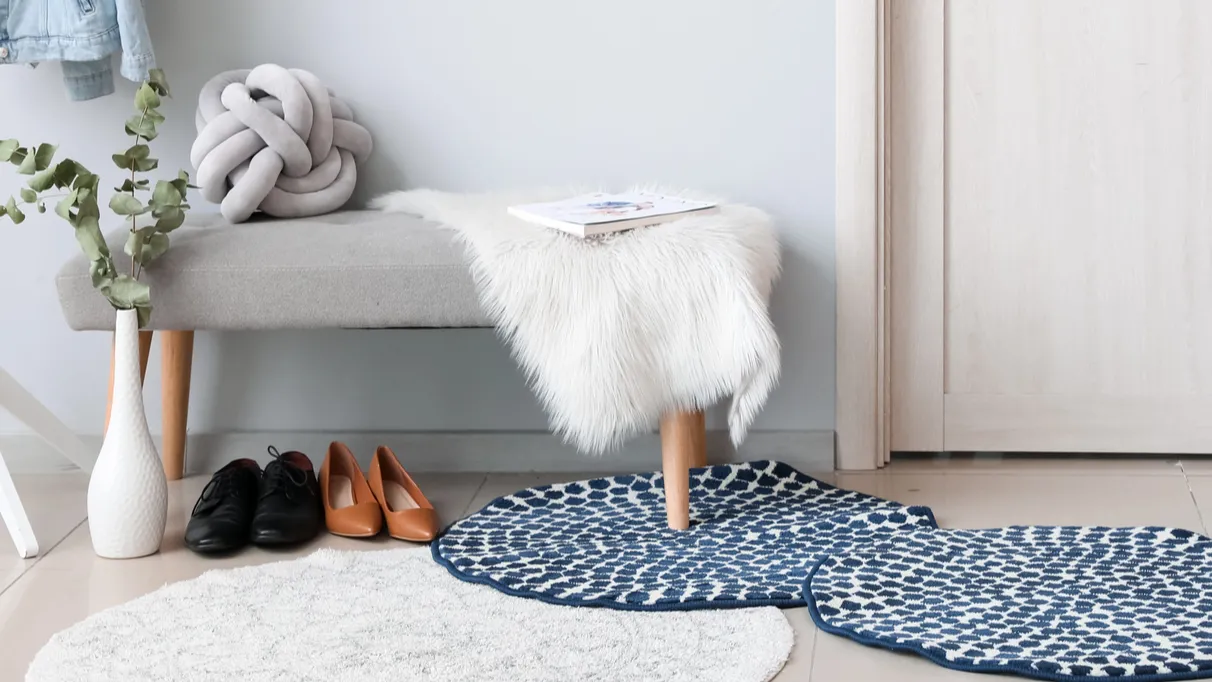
409,515
350,508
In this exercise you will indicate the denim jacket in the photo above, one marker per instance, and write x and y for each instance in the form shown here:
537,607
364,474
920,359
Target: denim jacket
82,34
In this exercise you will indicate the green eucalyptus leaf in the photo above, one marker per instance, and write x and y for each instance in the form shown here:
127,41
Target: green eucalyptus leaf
101,272
64,208
7,147
134,246
136,186
170,219
140,126
144,245
144,165
154,247
88,235
65,173
85,179
159,82
44,156
29,196
43,180
165,194
138,151
28,165
18,156
14,213
126,292
125,204
154,116
122,161
184,177
146,97
41,207
182,183
144,312
87,205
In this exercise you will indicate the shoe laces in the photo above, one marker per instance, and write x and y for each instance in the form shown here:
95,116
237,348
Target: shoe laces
282,476
216,487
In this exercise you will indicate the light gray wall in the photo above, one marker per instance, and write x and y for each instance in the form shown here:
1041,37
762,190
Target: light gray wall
731,96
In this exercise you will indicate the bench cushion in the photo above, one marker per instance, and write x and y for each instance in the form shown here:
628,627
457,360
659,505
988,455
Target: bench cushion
353,269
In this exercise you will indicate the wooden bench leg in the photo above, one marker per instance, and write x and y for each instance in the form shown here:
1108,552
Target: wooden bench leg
682,438
145,340
176,360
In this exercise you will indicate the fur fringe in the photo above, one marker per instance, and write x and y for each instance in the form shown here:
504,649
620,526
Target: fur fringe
613,332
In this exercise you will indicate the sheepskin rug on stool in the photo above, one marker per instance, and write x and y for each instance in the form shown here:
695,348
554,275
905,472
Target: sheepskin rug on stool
614,331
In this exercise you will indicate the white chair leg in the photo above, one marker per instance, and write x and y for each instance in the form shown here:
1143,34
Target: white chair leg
26,408
14,515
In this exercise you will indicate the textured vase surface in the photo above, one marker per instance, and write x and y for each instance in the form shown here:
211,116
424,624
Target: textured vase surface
127,493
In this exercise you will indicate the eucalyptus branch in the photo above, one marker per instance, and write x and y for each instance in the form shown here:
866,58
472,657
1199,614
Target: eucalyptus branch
79,203
134,227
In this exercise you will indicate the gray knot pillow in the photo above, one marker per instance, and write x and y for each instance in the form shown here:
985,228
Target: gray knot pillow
275,140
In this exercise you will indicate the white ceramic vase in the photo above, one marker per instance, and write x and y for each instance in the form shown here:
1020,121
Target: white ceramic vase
127,493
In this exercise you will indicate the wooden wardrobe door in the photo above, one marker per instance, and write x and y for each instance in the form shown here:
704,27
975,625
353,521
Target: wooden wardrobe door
1050,225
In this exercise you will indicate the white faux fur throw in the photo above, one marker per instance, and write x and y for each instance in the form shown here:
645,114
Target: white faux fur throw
613,332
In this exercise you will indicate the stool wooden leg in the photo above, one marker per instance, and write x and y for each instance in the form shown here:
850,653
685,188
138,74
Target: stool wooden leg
700,444
681,439
176,360
145,340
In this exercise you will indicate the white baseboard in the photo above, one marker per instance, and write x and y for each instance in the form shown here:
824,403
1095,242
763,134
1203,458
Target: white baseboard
451,451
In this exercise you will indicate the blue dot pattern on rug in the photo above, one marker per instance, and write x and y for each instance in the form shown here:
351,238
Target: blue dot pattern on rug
1048,602
756,529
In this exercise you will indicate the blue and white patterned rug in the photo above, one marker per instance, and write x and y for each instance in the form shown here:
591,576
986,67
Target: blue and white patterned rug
756,529
1054,603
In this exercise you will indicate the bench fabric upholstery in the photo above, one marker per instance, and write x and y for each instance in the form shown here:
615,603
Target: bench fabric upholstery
353,269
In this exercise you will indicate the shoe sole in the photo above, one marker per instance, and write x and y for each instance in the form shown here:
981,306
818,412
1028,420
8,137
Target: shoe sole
279,542
351,535
397,537
215,549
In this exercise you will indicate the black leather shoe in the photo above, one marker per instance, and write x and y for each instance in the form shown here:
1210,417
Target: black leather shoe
224,510
288,510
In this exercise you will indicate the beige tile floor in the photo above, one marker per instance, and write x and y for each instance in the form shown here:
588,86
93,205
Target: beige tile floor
41,596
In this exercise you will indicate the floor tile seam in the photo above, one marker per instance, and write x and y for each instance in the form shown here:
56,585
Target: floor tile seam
1194,500
471,500
816,636
42,555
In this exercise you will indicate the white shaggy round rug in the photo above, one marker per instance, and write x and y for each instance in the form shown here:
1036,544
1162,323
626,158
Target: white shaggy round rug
396,615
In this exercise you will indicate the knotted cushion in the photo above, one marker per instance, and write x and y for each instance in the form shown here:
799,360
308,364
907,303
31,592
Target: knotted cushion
275,140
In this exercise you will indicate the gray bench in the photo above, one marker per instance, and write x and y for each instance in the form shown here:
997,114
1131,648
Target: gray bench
354,270
357,269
